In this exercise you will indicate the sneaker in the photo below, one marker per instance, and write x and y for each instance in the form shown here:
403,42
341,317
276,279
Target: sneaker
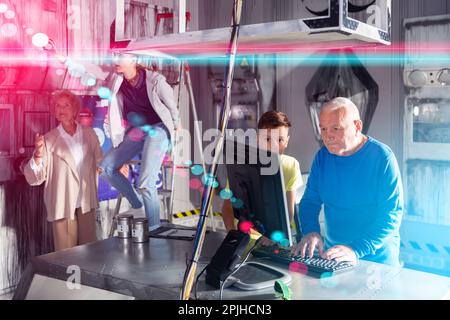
137,212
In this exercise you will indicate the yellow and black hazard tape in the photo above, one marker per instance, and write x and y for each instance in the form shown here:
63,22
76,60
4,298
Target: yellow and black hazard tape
190,213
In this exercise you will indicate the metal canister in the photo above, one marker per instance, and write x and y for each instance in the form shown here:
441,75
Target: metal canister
140,230
124,225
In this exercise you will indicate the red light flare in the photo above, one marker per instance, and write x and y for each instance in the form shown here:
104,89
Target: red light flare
298,267
245,226
12,53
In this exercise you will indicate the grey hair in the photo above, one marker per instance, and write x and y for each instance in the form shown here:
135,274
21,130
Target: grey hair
341,103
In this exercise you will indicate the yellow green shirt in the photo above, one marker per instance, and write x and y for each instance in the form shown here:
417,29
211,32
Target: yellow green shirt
291,173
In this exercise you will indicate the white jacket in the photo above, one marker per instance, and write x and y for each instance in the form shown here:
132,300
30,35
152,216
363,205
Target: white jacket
161,97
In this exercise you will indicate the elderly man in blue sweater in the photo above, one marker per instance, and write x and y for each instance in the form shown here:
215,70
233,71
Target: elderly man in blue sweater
357,180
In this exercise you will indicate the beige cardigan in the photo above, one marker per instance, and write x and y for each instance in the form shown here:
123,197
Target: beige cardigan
62,182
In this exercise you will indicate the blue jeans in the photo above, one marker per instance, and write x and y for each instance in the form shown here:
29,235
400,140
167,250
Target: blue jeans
153,146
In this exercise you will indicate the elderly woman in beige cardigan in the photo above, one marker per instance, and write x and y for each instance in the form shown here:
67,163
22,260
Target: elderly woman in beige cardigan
66,159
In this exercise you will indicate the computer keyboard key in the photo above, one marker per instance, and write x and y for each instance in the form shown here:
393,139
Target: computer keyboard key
314,265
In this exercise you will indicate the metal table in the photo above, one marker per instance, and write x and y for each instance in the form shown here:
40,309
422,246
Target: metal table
154,270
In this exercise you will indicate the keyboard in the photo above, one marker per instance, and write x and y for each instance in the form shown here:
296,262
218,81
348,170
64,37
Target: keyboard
314,266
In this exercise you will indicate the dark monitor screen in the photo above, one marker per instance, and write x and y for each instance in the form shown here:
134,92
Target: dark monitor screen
257,186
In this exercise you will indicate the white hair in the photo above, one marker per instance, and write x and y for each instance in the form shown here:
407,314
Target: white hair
342,103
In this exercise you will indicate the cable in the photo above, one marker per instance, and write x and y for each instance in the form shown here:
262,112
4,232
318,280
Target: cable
222,285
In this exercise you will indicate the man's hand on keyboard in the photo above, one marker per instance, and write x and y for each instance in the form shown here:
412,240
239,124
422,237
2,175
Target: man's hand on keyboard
340,253
308,244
